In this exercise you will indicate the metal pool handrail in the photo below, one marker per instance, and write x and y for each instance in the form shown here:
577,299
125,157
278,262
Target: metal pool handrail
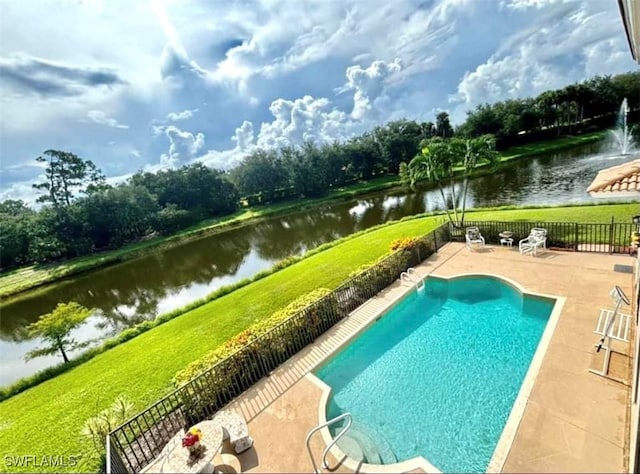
406,277
420,282
332,443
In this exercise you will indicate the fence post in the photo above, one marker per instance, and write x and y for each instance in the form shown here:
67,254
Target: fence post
576,238
611,239
435,238
115,464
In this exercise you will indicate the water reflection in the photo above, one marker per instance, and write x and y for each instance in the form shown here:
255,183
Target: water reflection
131,292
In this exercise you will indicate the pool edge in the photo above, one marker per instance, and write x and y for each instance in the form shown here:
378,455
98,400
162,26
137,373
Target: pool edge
507,437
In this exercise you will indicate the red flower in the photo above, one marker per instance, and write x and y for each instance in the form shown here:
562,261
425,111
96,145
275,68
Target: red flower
190,439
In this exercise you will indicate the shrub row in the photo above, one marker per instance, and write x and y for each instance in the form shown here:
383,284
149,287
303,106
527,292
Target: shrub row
248,336
229,370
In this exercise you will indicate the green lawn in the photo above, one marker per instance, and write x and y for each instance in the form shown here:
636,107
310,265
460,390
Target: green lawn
46,419
556,144
601,213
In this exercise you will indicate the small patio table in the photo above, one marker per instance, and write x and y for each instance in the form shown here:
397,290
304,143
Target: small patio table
177,459
506,238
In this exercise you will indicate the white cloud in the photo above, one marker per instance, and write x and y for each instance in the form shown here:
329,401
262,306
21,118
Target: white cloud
294,122
223,160
20,190
287,38
101,118
567,44
243,136
184,115
157,130
177,68
317,119
368,85
526,4
183,147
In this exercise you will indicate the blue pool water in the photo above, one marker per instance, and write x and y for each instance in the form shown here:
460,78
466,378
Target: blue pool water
437,376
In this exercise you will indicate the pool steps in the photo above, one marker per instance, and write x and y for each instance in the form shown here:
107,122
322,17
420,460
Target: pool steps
365,444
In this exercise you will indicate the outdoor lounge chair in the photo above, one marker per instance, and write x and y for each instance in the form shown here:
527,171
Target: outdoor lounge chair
473,236
612,326
537,240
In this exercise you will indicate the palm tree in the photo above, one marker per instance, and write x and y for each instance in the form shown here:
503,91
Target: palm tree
436,163
428,164
483,147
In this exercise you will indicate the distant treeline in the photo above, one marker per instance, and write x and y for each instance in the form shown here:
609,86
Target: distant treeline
587,106
82,214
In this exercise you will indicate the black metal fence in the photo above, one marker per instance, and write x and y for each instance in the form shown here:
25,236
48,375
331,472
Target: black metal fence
599,238
136,443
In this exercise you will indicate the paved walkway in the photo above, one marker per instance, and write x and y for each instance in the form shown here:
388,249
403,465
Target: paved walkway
573,421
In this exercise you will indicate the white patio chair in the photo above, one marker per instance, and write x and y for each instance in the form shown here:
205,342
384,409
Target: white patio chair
473,236
537,239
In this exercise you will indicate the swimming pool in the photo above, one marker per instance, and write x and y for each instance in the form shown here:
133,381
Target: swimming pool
438,375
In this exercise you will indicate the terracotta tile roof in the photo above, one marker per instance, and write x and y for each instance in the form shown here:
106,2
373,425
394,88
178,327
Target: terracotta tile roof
621,179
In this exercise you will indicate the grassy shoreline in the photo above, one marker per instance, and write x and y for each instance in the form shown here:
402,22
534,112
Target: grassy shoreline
24,279
143,367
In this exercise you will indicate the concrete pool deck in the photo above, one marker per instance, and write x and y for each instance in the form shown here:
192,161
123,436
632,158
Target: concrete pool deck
573,421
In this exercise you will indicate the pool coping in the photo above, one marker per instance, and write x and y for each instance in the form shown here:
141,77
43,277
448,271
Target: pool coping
507,437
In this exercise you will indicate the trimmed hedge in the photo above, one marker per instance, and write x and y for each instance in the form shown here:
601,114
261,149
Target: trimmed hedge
251,334
227,371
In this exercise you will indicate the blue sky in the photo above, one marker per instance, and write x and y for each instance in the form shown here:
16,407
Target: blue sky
145,85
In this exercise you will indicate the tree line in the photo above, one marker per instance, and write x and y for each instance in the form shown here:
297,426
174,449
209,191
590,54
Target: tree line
589,105
81,213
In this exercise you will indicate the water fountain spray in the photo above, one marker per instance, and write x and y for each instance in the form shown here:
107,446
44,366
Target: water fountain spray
622,133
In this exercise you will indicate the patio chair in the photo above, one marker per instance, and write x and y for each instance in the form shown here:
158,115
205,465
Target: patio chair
537,239
473,236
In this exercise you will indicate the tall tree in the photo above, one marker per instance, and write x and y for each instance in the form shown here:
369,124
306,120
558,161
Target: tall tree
117,216
261,171
398,141
482,148
67,174
437,162
55,327
443,125
425,165
15,220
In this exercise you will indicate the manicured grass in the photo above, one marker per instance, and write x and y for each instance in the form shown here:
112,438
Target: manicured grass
547,146
53,412
598,213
